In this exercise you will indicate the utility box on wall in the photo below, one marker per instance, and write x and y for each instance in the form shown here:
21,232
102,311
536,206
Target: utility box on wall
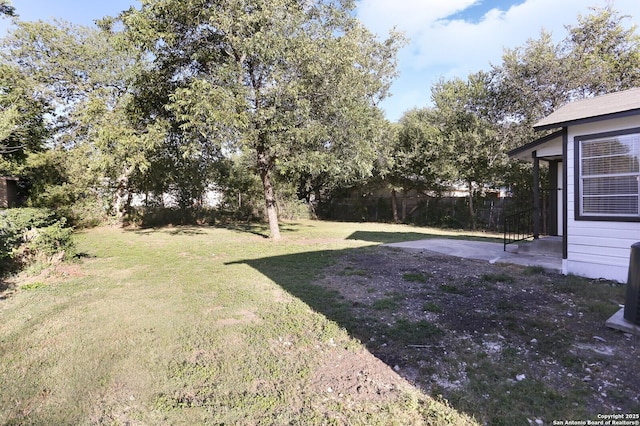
8,192
632,301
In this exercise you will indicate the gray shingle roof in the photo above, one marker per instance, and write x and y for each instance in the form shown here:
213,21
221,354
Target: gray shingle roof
613,104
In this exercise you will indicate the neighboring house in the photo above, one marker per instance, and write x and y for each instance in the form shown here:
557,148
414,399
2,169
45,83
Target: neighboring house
8,192
594,162
212,197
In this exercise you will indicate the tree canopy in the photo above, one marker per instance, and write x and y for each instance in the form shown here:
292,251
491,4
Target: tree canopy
293,84
6,8
475,121
597,56
178,95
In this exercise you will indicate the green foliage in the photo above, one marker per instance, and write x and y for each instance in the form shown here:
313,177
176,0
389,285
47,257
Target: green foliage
475,152
387,304
417,157
530,84
499,277
22,124
414,277
410,332
55,181
291,85
451,289
162,216
464,138
241,189
83,79
6,8
432,307
15,221
34,286
599,55
28,234
533,270
274,103
52,239
604,54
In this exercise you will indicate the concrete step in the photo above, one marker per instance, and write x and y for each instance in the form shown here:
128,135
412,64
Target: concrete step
550,245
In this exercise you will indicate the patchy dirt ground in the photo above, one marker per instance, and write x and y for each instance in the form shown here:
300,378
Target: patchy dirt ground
504,343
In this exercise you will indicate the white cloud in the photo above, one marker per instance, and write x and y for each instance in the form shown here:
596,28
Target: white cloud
442,47
409,15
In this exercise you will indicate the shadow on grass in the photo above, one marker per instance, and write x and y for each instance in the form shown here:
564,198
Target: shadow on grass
417,348
255,229
298,273
5,288
259,229
178,230
262,229
397,237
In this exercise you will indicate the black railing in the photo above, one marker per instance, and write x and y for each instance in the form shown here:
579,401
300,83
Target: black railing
518,226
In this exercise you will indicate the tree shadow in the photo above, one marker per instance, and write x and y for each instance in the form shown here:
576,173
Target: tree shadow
262,229
6,289
180,230
186,231
258,229
298,275
254,229
384,237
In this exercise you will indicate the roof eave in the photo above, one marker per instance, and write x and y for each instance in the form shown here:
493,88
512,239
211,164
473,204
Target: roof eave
620,114
538,142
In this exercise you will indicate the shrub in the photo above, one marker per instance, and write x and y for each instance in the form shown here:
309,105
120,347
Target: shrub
52,239
28,234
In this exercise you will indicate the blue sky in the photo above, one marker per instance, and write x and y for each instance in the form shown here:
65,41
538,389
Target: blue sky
448,38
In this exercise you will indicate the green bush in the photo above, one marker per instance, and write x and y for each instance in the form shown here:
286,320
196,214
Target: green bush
28,234
52,239
292,209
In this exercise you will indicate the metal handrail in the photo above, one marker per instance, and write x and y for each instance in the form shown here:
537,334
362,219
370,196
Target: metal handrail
518,226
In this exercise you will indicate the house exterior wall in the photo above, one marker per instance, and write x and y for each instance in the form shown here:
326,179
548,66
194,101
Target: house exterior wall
552,149
597,249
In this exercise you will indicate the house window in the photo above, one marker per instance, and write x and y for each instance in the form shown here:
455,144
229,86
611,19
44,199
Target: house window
609,175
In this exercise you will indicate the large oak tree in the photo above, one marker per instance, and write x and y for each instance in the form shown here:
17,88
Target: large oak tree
293,83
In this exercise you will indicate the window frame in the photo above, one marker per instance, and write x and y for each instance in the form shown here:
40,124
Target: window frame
578,178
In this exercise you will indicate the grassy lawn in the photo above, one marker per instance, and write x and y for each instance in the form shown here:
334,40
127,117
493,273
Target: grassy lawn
188,326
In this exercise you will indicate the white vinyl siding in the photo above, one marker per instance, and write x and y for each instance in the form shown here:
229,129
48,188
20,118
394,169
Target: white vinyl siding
610,175
598,248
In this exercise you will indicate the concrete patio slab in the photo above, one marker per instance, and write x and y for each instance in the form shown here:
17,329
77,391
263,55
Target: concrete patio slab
618,322
481,250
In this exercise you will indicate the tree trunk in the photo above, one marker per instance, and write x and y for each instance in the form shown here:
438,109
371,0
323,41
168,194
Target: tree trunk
394,205
269,198
404,206
122,197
